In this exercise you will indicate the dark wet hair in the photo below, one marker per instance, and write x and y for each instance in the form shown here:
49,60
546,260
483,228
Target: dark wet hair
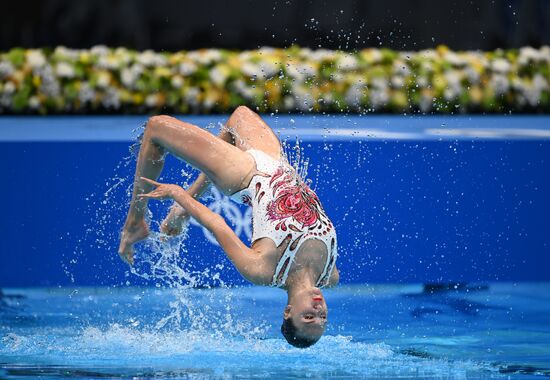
290,333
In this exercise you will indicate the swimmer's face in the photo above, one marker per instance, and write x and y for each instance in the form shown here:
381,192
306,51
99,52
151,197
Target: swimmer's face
308,313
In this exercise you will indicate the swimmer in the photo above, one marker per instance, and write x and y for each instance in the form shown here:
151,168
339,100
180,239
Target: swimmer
293,241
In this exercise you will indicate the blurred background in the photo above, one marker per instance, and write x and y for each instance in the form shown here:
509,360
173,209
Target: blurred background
172,25
423,126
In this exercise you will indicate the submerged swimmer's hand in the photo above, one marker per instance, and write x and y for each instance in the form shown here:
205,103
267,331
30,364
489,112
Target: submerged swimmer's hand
162,191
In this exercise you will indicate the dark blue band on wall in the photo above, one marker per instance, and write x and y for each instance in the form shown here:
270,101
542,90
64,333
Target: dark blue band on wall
414,199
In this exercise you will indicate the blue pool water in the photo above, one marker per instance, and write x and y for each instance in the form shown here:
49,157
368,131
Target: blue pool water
492,331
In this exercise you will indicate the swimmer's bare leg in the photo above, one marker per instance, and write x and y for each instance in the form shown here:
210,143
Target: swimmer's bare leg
246,130
224,164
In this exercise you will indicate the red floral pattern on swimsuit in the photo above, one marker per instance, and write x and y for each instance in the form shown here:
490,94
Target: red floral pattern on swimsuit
293,199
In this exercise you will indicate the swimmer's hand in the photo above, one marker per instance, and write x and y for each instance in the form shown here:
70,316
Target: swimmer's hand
174,222
162,191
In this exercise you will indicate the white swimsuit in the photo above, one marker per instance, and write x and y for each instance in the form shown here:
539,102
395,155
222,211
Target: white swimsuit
282,206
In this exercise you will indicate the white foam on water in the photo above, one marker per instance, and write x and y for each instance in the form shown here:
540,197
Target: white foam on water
128,347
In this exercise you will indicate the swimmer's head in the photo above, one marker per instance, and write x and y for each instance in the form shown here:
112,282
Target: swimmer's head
305,318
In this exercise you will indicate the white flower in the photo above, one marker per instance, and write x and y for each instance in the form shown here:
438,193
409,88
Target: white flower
245,55
472,75
426,103
300,71
501,65
454,88
303,98
6,69
527,54
453,78
49,85
517,84
267,50
250,69
354,94
532,95
5,100
111,99
294,73
64,70
9,88
530,92
304,53
289,103
63,52
499,83
540,82
176,81
347,62
450,94
545,53
454,59
427,66
422,81
218,76
35,58
86,93
268,69
242,89
99,50
338,77
34,102
429,54
103,79
322,55
371,55
192,96
109,62
127,77
151,100
209,102
397,81
379,97
327,98
379,83
205,57
149,58
401,68
187,68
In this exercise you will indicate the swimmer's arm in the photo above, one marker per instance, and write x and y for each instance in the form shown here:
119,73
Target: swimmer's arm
248,263
245,260
196,190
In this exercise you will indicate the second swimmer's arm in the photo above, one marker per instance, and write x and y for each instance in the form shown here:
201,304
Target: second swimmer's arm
196,190
245,260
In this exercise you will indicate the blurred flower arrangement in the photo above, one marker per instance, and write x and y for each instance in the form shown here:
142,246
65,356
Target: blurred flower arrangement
105,80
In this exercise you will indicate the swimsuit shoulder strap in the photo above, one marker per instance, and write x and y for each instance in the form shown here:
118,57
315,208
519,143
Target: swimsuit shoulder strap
286,260
283,266
329,264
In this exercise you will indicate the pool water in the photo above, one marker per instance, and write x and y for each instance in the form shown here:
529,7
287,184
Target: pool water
498,330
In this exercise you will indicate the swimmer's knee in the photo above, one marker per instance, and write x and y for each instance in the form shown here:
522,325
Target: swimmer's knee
156,122
243,110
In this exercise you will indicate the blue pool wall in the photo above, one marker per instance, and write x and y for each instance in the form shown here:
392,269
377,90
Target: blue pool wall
413,199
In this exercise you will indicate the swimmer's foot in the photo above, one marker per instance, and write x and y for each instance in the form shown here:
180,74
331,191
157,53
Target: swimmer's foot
130,235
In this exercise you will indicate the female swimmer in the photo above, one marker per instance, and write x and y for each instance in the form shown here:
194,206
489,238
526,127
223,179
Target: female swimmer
293,241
